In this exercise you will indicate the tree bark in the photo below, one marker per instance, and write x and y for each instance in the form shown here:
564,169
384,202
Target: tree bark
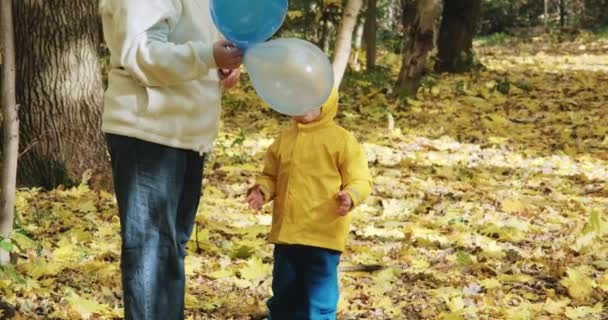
325,36
546,15
60,91
419,24
356,65
562,13
345,38
458,28
10,123
371,28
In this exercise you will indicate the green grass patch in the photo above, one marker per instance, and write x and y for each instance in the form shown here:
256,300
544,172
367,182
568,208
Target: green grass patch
493,39
602,32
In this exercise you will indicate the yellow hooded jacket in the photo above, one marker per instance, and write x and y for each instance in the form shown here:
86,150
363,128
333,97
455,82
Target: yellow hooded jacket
305,168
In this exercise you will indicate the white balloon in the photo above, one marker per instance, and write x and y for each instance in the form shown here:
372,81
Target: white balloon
293,76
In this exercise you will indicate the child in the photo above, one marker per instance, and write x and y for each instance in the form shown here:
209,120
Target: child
316,173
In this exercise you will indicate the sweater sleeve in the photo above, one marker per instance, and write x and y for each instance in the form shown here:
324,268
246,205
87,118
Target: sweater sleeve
143,27
268,179
356,178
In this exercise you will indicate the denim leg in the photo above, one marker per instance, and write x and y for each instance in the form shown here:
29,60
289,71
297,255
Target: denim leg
188,206
288,300
321,280
149,181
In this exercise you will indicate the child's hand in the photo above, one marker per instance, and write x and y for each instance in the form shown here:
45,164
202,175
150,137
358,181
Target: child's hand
345,203
230,77
226,55
255,198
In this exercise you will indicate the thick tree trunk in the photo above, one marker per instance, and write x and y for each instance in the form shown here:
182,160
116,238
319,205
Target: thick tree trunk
356,65
60,91
10,123
371,27
458,28
345,38
420,24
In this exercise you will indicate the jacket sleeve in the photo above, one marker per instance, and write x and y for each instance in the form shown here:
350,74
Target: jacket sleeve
268,179
143,27
356,178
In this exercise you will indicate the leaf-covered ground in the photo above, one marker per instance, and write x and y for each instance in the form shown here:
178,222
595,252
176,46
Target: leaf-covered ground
490,202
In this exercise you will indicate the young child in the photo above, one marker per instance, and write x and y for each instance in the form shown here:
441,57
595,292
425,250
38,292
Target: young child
316,172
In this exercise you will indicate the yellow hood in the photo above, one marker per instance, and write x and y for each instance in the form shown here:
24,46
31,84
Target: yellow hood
328,112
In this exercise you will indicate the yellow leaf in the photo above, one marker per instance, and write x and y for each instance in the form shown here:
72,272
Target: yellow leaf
485,93
498,140
556,307
455,304
451,316
583,242
419,265
191,301
255,269
581,312
435,91
514,278
579,285
491,249
525,311
490,284
603,284
40,268
513,206
220,274
66,253
85,308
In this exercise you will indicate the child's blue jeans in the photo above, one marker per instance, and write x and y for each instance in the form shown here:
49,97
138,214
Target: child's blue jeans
305,283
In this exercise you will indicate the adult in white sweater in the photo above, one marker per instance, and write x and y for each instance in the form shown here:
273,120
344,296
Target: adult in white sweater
161,116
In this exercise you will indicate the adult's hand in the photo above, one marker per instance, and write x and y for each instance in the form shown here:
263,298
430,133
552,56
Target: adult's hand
226,55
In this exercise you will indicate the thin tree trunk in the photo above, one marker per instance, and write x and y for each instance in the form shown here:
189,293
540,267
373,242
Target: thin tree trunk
420,29
562,13
358,44
60,91
10,122
324,42
371,27
546,15
327,37
458,28
345,38
324,38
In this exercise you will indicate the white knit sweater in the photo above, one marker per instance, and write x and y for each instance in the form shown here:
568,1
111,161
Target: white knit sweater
163,86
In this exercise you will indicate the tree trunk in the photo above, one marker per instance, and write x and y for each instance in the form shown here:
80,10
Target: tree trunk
325,36
458,28
371,27
60,91
562,13
10,123
546,15
345,38
358,43
420,28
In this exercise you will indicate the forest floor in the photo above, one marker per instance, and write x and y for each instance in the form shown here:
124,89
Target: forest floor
490,202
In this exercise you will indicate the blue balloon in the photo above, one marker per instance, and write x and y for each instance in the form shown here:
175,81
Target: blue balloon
246,22
293,76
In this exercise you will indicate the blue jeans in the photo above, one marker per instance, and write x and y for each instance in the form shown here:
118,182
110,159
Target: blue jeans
158,190
304,284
